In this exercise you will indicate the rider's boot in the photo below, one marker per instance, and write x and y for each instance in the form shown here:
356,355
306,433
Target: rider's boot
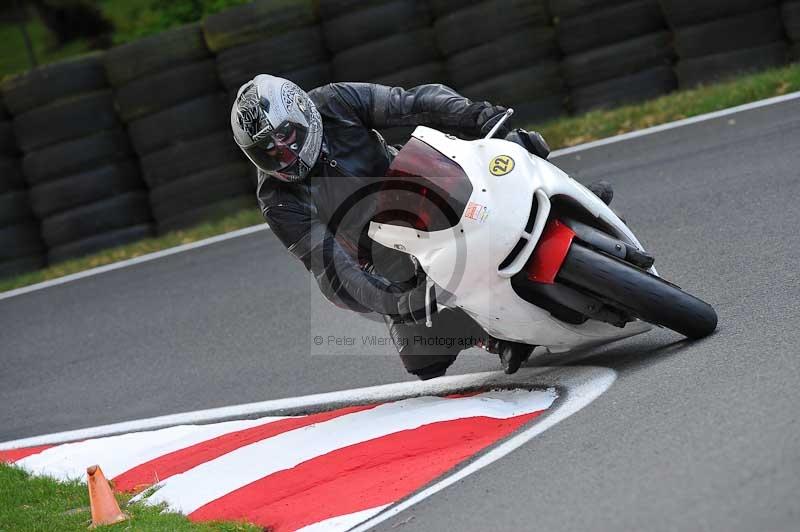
513,355
603,190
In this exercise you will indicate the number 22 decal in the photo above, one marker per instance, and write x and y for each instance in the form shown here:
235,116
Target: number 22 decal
501,165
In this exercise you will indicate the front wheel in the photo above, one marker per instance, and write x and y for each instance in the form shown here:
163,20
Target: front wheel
638,292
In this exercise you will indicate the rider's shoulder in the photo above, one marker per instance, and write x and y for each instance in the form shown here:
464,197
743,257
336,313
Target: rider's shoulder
342,98
343,90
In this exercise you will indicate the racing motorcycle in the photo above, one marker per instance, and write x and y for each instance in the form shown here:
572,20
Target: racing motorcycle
534,257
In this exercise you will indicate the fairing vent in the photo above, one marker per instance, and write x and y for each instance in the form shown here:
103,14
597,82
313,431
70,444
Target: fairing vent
520,245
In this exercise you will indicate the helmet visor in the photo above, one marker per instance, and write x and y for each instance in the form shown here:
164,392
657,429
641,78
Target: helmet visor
278,153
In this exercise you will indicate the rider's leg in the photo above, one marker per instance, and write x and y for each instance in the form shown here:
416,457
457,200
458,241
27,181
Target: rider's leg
427,352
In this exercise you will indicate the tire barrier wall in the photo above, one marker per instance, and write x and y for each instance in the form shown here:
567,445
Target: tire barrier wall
615,52
279,37
21,247
167,91
382,41
716,39
107,143
503,51
790,12
84,184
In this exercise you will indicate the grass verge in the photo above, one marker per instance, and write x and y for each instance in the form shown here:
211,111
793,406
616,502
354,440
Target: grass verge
569,131
242,219
37,504
560,133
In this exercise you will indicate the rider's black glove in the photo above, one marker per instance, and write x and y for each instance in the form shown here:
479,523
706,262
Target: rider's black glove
479,118
411,306
487,119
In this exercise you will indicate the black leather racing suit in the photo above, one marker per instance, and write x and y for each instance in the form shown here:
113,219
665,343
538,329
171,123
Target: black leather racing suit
322,220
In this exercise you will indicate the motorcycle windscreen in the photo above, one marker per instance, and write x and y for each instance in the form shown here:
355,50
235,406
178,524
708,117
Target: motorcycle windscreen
424,189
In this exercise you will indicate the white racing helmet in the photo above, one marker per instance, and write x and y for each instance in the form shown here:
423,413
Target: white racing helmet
278,127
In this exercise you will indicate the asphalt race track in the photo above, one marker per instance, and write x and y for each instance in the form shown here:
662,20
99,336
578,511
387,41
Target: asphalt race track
692,436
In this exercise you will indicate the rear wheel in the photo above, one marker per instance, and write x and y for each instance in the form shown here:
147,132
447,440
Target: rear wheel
634,290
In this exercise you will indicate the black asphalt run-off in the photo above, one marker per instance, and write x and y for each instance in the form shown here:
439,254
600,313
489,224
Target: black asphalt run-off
692,436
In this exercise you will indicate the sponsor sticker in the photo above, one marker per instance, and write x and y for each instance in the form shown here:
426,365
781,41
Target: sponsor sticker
477,212
501,165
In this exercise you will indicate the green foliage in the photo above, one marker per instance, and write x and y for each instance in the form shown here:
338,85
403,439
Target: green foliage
137,18
14,57
32,504
132,19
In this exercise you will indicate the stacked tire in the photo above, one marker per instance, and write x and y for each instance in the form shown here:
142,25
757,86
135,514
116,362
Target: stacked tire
790,11
615,51
390,42
717,39
84,185
168,93
21,248
268,37
503,51
381,41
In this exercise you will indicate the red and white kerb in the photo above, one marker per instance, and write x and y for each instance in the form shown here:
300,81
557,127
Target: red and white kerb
324,471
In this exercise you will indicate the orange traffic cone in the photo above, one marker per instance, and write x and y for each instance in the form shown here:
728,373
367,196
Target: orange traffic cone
105,510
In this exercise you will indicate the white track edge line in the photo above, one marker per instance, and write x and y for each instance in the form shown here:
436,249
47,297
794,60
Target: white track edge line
279,406
579,396
677,124
248,230
131,262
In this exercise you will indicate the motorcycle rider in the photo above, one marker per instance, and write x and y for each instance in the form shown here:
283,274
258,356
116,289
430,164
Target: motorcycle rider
317,153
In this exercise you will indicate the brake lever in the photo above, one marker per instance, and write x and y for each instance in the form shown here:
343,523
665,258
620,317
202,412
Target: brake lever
500,122
429,285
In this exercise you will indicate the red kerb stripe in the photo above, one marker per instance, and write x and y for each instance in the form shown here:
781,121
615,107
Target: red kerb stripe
182,460
361,476
18,454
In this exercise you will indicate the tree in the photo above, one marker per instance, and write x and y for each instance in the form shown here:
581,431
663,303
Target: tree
74,19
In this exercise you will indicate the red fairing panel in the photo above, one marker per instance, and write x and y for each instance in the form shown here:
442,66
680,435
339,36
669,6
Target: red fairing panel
550,252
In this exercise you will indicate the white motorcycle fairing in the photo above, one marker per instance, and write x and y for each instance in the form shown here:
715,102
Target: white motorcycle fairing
464,261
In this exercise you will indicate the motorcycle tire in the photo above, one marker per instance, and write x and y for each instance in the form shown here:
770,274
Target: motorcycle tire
293,50
186,158
790,12
75,155
20,240
95,243
680,13
718,67
10,176
156,53
21,265
750,30
254,21
151,94
644,85
47,84
187,121
634,290
571,8
608,26
365,23
8,143
66,119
